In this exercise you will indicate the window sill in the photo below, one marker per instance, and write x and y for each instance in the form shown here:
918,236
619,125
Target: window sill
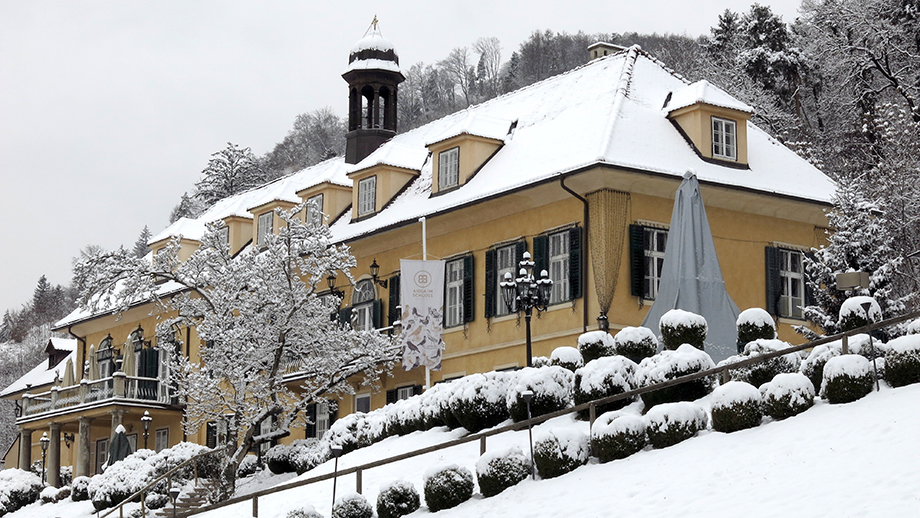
504,318
792,321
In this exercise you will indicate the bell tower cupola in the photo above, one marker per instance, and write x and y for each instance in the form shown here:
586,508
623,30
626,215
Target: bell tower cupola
372,76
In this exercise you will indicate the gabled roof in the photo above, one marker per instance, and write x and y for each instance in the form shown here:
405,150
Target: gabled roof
704,92
41,375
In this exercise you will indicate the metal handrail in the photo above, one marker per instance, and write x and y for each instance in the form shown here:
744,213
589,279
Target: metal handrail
590,406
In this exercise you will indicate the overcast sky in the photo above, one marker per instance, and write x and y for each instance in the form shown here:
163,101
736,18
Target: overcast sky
109,110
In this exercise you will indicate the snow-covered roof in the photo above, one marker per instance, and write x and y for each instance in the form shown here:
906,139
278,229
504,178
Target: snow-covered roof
704,92
41,375
63,344
373,64
397,155
478,124
372,40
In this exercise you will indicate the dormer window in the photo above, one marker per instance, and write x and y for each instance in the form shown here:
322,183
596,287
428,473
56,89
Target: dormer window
367,196
724,138
448,168
224,233
266,222
315,210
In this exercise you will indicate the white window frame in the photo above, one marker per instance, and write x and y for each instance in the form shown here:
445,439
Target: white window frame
558,248
449,168
653,260
225,236
363,397
792,280
724,138
453,276
367,195
503,255
362,302
266,226
314,215
322,419
161,439
102,454
405,392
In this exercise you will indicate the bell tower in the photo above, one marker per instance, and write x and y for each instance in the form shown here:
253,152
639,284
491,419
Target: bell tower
372,76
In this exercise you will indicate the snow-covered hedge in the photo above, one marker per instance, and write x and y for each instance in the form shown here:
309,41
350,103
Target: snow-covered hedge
49,494
762,372
352,505
753,324
248,466
558,451
479,400
18,488
853,316
671,423
635,343
541,361
787,395
680,327
902,362
616,435
497,470
306,454
156,500
913,328
605,377
433,403
567,358
79,489
278,459
736,405
344,432
668,365
552,389
304,512
847,378
447,486
595,344
397,499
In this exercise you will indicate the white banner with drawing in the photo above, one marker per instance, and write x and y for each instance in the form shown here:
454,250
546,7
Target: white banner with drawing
422,299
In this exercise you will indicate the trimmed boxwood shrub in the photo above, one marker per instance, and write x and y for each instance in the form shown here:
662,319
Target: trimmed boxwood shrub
433,403
902,362
305,512
541,361
78,489
671,423
616,436
636,343
156,501
787,395
498,470
754,324
447,487
567,358
763,372
736,406
668,365
397,499
853,316
847,378
306,454
680,327
18,488
552,390
604,377
278,459
560,450
344,432
248,466
478,400
352,505
595,344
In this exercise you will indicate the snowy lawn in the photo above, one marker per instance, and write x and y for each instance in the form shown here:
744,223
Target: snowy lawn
856,459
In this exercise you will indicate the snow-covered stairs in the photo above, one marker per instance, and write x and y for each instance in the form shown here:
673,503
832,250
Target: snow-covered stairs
196,498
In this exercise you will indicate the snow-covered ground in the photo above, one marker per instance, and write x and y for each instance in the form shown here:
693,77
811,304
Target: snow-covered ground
859,459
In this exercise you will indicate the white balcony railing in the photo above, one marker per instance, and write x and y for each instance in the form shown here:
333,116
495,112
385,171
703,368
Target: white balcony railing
117,386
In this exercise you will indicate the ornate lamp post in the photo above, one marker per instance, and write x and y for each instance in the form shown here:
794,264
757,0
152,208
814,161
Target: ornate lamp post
145,420
45,441
526,293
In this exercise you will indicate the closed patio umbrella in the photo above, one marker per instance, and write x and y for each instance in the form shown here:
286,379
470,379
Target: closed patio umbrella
93,366
68,374
129,360
120,447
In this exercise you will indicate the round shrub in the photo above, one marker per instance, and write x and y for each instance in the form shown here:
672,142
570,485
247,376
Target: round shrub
552,390
604,377
18,488
902,362
847,378
671,423
754,324
305,512
813,365
540,361
248,466
397,499
78,489
156,501
853,316
447,487
352,505
48,495
787,395
736,405
560,450
433,403
306,454
567,358
375,426
498,470
63,493
668,365
595,344
478,400
278,459
680,327
636,343
344,432
616,436
762,372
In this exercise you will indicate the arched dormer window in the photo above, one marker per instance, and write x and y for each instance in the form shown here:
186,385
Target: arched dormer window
363,303
105,358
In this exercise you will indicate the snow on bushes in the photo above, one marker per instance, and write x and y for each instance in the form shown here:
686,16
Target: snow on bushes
434,407
552,390
753,324
304,512
736,405
762,372
635,343
373,426
902,362
616,435
49,494
595,344
540,361
853,316
914,327
497,470
78,489
478,400
405,416
787,395
604,377
300,456
18,488
847,378
352,505
671,423
447,486
813,365
668,365
248,466
680,327
397,499
558,451
278,459
567,358
344,432
156,500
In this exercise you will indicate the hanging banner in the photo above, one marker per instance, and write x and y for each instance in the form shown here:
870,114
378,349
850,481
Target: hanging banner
422,300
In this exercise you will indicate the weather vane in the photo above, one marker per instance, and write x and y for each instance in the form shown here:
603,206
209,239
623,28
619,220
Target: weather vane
374,23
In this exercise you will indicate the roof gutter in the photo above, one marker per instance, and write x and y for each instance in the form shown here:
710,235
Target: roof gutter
584,253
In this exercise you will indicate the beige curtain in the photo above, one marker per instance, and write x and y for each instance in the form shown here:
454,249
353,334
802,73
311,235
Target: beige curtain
608,211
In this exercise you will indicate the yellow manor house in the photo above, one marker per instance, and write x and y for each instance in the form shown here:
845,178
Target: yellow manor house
580,170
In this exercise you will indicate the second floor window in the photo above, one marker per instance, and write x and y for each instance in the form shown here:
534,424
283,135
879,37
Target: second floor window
367,196
792,278
506,262
558,266
449,168
453,312
363,305
315,210
647,248
724,139
265,227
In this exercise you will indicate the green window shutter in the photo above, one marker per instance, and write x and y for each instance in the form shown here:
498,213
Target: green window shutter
311,420
391,396
377,315
468,305
491,280
519,248
345,316
393,302
773,281
211,434
575,263
416,390
540,254
637,259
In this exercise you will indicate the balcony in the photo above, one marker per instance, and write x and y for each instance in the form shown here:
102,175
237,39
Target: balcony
119,388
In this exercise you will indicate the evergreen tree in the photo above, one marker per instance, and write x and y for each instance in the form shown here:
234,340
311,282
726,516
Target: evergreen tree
188,207
230,171
140,246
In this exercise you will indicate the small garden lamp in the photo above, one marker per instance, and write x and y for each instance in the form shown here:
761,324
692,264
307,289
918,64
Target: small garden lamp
45,441
866,307
173,495
528,395
145,420
336,452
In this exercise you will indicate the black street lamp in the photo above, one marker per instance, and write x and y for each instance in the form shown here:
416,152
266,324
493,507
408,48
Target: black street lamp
336,452
866,307
174,494
528,395
45,441
145,420
526,293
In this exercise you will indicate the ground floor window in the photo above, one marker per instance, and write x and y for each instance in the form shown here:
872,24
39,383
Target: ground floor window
363,403
161,439
102,454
